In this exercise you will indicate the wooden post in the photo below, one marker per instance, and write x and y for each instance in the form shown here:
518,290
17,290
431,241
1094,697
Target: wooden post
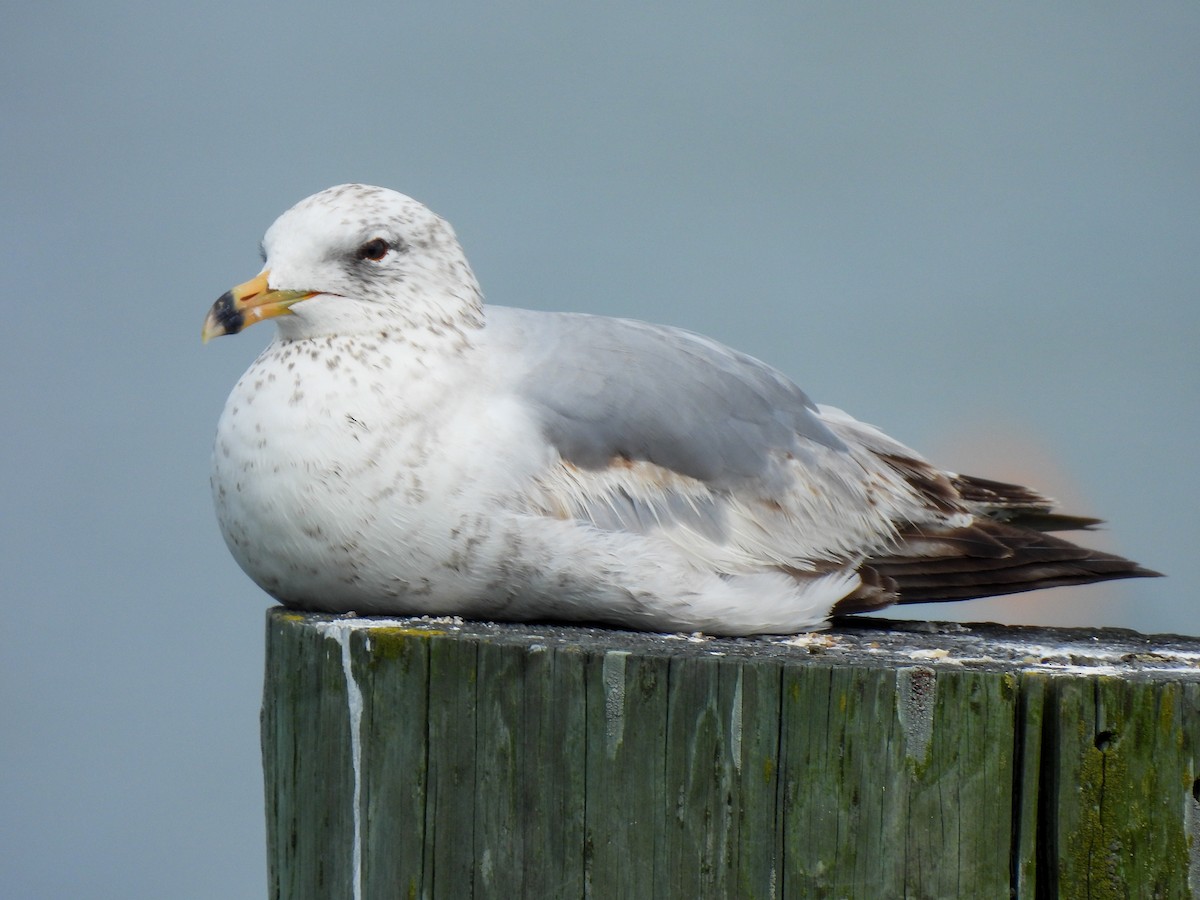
415,758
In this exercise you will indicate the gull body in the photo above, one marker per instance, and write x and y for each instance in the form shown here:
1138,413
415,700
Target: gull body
400,448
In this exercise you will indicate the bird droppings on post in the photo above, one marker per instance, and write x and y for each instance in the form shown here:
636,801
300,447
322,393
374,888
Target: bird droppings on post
917,687
614,700
339,630
735,725
937,654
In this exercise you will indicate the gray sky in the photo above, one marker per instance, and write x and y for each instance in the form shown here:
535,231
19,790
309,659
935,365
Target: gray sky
976,228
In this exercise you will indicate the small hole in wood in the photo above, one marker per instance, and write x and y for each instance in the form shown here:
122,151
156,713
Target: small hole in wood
1196,790
1104,740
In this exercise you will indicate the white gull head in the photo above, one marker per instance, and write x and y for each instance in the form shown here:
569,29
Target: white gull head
357,259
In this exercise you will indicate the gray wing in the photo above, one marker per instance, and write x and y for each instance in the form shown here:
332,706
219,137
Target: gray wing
660,430
608,389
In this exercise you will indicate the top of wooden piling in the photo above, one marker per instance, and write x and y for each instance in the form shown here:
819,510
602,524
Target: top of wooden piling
872,642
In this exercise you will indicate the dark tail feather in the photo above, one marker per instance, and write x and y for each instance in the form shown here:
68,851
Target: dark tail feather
987,559
1030,560
1018,505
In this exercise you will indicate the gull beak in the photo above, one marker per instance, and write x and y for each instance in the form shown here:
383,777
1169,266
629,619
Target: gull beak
248,303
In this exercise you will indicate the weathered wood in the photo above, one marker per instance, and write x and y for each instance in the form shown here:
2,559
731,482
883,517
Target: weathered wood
415,758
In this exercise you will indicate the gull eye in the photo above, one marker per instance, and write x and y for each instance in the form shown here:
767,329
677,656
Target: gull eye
374,249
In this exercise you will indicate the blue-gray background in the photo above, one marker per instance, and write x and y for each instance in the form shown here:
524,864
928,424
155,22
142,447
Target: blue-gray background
975,228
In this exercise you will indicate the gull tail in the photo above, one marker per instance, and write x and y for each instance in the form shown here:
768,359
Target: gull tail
1007,549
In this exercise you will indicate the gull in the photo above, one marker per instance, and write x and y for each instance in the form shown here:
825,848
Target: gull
401,448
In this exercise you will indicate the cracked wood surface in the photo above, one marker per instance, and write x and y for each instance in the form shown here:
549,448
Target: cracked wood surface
878,759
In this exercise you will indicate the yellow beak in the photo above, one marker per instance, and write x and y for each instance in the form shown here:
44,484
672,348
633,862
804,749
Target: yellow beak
248,303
